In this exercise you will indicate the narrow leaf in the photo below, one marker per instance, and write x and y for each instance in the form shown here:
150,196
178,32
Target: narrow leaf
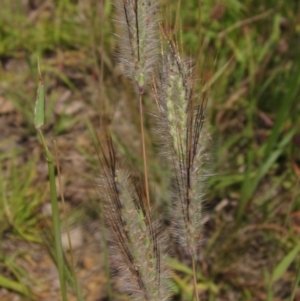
39,113
13,285
285,263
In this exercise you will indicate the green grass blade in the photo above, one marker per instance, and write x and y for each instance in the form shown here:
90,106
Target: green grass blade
269,289
39,121
285,263
14,285
296,283
39,114
55,219
265,167
249,187
283,112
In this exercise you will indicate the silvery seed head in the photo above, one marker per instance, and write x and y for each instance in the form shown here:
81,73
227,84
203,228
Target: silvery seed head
185,138
137,22
135,239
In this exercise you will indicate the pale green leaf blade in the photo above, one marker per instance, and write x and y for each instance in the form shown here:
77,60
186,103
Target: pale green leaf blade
13,285
39,114
285,263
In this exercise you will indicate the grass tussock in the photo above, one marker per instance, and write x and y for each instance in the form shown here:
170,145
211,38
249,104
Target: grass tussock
182,113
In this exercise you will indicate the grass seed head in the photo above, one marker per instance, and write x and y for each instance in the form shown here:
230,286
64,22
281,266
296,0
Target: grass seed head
182,118
137,22
134,234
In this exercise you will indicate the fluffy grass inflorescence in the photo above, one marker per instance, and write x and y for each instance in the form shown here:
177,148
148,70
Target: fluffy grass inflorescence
182,114
137,22
134,234
126,201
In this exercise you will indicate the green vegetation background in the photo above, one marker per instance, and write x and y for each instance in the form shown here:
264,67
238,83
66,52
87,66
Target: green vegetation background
250,50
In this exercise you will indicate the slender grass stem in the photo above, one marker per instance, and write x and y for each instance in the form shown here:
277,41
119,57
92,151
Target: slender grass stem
106,258
195,278
72,260
144,152
55,218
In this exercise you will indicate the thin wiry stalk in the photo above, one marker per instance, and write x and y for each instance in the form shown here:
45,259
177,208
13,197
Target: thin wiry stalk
182,119
138,50
135,236
138,46
144,152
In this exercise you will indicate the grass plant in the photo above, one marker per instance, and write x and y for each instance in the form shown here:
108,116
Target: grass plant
18,213
182,117
38,123
16,284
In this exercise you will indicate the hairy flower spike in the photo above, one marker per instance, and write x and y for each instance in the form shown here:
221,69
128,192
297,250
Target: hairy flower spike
182,118
134,235
138,46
